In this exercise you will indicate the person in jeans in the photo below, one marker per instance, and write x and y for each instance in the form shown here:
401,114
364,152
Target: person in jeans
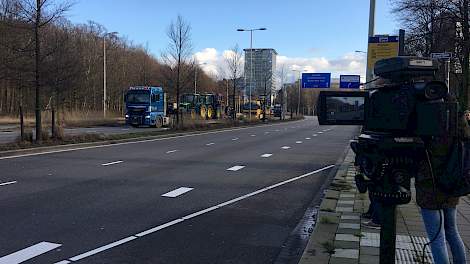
373,214
438,209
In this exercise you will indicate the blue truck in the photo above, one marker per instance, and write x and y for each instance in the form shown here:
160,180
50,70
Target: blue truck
146,106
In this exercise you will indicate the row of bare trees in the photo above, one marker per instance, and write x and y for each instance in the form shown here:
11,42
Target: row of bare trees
440,26
47,63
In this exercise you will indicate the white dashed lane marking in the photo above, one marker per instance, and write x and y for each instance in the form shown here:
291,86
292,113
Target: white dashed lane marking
307,138
177,192
285,147
190,216
112,163
298,142
235,139
210,144
28,253
171,151
8,183
236,168
253,135
267,155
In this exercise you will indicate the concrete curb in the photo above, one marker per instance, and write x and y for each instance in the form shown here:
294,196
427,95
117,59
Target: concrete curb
321,243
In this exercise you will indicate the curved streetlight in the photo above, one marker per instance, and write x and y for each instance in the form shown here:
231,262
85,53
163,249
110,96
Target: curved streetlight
251,58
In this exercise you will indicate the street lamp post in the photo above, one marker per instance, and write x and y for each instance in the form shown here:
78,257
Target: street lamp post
300,79
104,71
195,76
251,60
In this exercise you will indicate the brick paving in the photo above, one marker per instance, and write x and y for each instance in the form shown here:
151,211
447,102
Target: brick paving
340,238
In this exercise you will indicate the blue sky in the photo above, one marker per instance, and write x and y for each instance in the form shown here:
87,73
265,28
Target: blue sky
312,34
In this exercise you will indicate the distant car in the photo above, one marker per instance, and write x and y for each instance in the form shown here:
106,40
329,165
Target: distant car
277,110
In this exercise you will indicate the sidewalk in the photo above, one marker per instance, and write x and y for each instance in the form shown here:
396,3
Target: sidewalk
340,238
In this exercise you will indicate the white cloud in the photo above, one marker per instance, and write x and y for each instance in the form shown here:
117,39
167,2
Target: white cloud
350,63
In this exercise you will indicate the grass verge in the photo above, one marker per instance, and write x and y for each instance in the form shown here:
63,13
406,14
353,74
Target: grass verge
114,138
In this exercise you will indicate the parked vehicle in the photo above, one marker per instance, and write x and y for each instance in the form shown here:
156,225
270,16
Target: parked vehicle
207,106
146,106
255,108
277,110
212,106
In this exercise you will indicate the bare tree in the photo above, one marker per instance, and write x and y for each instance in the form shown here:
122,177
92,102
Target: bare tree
178,56
234,66
437,26
39,14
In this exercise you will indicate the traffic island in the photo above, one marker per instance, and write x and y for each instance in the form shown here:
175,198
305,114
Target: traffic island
340,236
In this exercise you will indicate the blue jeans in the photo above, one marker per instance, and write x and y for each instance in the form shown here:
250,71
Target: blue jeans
376,212
448,232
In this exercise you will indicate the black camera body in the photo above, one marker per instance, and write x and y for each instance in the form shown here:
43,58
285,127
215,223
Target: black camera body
399,113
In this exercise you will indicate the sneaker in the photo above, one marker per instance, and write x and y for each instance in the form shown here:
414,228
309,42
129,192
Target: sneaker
370,224
366,215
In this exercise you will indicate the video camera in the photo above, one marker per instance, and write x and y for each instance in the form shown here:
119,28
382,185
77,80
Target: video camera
405,107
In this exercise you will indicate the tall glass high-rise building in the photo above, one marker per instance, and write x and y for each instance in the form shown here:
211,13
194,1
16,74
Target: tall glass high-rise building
261,78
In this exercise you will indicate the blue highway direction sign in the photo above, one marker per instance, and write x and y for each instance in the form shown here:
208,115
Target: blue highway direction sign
350,81
316,80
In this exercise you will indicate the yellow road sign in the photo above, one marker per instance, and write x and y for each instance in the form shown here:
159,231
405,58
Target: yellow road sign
381,47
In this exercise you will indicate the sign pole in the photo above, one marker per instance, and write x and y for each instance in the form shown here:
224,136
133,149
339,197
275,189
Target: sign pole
369,71
388,234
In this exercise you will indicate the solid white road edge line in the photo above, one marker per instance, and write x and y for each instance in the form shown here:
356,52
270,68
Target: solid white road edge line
103,248
112,163
28,253
199,213
138,141
8,183
177,192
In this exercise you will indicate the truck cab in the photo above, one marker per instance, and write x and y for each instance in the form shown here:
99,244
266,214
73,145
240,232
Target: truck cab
146,106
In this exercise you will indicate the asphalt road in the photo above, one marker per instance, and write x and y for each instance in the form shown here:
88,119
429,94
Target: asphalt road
218,197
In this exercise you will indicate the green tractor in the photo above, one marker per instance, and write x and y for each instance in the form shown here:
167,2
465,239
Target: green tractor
207,106
212,106
190,104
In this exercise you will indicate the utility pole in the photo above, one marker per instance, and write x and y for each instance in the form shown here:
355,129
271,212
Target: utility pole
251,61
195,75
298,99
104,71
38,107
369,71
104,77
